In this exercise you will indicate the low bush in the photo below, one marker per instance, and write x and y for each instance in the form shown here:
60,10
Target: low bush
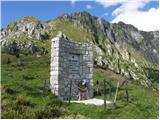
20,63
49,112
28,76
22,100
7,89
55,102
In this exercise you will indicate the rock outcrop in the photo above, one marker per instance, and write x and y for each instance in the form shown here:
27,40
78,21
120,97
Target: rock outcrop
29,25
19,34
119,47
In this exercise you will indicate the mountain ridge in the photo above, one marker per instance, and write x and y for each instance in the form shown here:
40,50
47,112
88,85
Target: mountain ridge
119,47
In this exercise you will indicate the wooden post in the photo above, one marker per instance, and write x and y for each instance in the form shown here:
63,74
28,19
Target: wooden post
70,91
126,91
110,89
114,102
97,84
104,95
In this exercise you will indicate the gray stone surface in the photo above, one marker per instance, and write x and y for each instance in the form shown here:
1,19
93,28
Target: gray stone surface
70,61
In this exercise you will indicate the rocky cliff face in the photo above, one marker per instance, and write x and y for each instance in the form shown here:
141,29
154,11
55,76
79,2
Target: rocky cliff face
119,47
28,25
145,42
19,34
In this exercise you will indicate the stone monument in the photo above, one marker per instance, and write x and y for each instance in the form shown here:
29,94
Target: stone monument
71,63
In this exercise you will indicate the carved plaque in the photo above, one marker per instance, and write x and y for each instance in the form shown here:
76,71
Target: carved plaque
74,63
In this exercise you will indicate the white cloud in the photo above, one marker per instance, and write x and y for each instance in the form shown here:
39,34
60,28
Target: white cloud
146,21
108,3
129,6
129,13
73,2
89,6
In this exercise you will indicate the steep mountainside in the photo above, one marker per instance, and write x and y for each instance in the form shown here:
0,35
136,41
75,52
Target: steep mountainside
119,47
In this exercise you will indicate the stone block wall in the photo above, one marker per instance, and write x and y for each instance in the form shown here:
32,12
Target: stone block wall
70,61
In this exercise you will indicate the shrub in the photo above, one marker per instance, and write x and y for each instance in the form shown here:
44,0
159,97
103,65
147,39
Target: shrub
28,76
20,63
9,113
49,112
55,102
7,89
21,100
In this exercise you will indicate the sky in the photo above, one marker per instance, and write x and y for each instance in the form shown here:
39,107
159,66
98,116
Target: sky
143,14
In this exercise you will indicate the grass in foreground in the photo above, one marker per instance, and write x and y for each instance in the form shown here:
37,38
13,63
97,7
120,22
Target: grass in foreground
24,94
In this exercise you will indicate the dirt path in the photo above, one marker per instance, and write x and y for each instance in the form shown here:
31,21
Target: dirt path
93,101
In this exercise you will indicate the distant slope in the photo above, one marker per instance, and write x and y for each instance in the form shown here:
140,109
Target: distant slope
119,47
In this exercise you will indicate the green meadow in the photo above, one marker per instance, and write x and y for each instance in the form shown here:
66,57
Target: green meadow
25,93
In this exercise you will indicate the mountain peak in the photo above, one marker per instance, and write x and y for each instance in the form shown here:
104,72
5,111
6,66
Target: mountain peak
129,26
83,13
76,15
30,18
28,25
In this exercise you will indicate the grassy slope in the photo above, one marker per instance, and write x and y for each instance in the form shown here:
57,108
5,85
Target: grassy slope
23,94
143,103
71,31
78,34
